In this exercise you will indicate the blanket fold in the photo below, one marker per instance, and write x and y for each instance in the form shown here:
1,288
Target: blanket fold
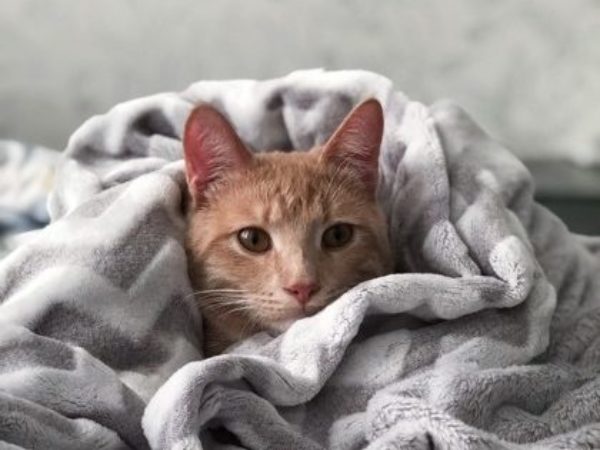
488,337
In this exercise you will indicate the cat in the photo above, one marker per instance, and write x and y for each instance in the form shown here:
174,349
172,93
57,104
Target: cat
276,236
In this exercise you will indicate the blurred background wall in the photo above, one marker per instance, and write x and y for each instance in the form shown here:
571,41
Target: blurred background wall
529,71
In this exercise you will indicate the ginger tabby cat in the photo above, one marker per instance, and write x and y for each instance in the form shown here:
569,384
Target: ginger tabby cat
274,237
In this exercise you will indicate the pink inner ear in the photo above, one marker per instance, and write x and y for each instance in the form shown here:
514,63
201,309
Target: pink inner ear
357,140
211,147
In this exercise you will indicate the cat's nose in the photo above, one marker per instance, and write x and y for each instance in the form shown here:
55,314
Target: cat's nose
302,291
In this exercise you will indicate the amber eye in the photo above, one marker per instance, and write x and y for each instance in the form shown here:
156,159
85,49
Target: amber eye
337,235
254,239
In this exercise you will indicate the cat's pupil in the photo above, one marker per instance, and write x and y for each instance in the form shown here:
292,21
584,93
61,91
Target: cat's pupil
254,239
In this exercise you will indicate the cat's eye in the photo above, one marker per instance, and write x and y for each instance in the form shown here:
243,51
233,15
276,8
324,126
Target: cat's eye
255,240
337,235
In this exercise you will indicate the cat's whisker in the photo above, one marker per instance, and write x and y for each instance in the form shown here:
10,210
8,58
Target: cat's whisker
222,296
235,311
222,306
215,291
221,290
252,324
216,310
218,291
224,303
228,311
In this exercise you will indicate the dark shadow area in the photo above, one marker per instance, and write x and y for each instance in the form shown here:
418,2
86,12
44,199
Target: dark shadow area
571,192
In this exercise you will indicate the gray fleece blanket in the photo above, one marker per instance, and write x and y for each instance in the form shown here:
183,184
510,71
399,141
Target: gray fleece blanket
489,337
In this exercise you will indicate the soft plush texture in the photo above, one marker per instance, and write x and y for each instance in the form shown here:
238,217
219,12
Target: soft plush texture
489,338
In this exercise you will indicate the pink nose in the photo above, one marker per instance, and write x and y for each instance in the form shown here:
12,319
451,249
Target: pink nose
302,291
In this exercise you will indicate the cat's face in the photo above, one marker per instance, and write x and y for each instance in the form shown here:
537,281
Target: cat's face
274,237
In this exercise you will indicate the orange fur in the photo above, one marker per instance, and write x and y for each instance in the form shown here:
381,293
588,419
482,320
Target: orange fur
294,197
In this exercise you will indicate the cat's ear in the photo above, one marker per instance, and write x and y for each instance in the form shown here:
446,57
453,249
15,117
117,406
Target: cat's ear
212,148
356,142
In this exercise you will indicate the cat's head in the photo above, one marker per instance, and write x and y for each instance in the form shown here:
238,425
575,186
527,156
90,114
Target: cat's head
273,237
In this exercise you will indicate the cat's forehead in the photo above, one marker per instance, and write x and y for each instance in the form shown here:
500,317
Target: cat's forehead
284,196
291,188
